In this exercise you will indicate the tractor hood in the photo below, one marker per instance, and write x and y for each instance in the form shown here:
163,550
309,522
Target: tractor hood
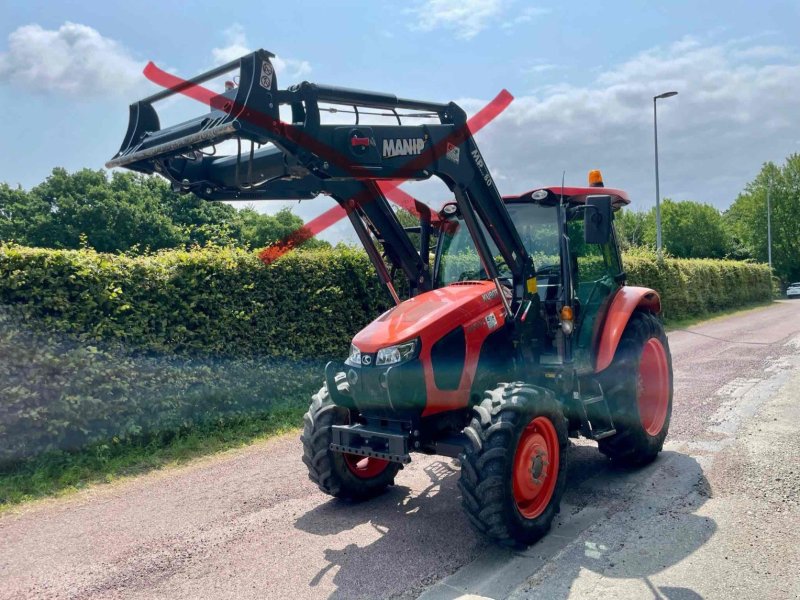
432,314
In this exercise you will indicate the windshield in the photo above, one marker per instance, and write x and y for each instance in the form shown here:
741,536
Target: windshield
537,226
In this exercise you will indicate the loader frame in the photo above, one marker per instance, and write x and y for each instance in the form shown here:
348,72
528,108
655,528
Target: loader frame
309,157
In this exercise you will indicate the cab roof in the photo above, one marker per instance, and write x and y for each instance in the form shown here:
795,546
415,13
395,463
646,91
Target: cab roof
573,195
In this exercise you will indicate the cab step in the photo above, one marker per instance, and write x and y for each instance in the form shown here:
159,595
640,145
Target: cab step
598,421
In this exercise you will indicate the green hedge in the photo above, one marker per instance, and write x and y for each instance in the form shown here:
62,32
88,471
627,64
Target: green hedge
697,287
219,302
94,346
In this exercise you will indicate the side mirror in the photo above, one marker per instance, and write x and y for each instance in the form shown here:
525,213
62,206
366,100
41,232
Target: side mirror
597,220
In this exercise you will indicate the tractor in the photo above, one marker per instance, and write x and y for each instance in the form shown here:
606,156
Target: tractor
515,331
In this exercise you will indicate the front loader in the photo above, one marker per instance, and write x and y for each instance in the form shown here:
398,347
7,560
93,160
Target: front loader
518,333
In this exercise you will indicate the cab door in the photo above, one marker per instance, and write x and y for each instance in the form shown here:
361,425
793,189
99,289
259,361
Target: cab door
596,275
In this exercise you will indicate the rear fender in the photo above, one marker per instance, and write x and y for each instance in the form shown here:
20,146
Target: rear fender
626,300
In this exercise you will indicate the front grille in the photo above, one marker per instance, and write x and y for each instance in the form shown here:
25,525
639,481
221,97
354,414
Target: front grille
402,396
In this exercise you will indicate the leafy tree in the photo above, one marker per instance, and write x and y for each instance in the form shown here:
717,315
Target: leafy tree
632,226
200,221
747,217
259,230
408,219
129,212
17,213
111,215
690,230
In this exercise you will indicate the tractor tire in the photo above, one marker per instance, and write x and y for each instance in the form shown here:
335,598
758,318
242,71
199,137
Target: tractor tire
638,386
514,468
341,475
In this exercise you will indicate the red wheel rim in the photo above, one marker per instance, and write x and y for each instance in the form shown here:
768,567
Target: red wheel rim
653,387
365,467
536,464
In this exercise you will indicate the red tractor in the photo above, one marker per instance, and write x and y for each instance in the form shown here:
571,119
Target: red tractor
518,333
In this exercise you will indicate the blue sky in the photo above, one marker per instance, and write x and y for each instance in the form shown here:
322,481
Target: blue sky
583,78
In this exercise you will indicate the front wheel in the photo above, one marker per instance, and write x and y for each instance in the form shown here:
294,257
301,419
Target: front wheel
342,475
514,469
638,385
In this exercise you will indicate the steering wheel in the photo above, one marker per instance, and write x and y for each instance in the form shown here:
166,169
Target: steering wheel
549,270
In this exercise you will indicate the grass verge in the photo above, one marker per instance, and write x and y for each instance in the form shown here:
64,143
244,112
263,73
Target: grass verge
60,473
672,325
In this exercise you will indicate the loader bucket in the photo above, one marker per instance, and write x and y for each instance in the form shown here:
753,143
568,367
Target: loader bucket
244,112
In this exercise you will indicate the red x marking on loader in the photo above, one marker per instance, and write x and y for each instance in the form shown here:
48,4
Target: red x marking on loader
318,224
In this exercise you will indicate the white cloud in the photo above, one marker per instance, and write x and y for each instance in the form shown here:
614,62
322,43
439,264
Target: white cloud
74,59
237,45
527,15
539,68
735,110
765,52
467,18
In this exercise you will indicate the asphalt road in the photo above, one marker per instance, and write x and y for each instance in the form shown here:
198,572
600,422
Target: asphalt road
715,516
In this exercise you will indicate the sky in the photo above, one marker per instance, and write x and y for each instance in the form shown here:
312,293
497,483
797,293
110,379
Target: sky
583,77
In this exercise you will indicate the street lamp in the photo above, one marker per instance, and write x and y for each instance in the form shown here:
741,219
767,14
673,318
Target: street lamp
658,194
769,225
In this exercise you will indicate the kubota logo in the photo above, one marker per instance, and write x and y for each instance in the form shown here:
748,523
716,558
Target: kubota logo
403,147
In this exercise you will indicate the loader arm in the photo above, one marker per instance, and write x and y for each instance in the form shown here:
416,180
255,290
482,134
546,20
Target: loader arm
307,157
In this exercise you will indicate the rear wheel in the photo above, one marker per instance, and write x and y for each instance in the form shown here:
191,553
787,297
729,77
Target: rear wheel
514,470
638,385
337,474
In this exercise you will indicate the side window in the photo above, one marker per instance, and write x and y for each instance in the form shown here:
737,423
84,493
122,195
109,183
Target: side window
594,267
592,264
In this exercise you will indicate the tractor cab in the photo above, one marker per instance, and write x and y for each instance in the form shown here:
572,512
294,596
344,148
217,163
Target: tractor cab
573,269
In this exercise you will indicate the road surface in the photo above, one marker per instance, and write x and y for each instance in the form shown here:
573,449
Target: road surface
716,516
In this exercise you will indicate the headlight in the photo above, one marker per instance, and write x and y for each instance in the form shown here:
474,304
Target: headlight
354,359
396,354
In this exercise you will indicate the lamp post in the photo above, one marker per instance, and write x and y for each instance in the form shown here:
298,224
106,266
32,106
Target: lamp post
769,225
658,193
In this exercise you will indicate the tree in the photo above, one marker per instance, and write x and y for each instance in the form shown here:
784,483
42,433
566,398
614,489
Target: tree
747,217
17,214
259,230
632,227
408,219
691,230
111,216
200,221
129,211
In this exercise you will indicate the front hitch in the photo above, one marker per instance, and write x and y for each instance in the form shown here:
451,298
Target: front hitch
371,442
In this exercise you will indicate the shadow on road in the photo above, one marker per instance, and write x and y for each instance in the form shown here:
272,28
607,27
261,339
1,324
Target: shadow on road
425,536
421,534
650,525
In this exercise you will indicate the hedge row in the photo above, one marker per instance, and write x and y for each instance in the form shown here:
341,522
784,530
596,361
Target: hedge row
94,346
696,287
219,302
